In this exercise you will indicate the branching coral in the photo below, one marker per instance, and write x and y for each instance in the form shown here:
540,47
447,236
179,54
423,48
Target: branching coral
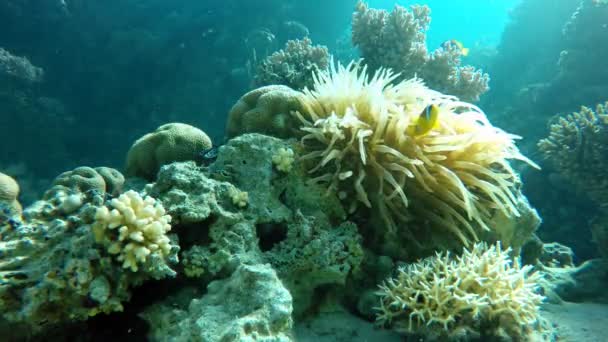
294,65
397,40
577,147
481,293
134,229
453,177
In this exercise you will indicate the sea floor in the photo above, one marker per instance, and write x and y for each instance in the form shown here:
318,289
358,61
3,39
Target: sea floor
574,322
584,322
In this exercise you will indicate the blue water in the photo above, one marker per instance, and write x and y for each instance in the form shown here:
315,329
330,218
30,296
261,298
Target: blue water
472,22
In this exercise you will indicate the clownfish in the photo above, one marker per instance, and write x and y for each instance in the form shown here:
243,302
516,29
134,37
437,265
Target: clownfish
463,50
427,120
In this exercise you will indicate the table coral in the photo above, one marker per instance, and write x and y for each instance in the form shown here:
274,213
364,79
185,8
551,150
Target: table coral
454,177
397,40
482,293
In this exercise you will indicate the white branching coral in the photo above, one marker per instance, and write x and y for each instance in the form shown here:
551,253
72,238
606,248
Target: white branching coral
283,159
133,228
482,292
359,134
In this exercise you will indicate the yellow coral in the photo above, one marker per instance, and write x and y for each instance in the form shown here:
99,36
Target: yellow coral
445,296
283,159
239,198
133,228
453,177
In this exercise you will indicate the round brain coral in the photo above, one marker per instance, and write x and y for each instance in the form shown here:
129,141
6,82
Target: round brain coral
265,110
168,143
9,191
362,134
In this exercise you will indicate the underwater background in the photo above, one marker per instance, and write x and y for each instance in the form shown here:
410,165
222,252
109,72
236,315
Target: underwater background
82,82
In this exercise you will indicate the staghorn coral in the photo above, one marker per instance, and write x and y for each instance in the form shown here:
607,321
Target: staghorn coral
454,177
482,293
294,65
134,229
397,40
577,148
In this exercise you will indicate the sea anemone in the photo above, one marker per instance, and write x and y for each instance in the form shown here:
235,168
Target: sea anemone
358,133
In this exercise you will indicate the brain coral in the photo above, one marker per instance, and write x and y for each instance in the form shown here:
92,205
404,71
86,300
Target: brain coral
9,191
168,143
265,110
359,135
481,293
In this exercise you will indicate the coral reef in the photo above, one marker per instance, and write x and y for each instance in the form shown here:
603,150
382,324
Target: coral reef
287,222
480,294
265,110
168,143
251,305
293,66
453,177
397,40
583,54
52,270
19,67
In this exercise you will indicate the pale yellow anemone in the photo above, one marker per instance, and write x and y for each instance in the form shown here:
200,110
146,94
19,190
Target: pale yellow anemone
452,177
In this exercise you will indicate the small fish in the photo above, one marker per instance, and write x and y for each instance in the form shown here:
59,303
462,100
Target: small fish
453,42
427,120
208,156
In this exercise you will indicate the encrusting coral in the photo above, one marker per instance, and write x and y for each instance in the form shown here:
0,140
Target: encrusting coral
361,134
397,40
482,293
294,65
134,228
